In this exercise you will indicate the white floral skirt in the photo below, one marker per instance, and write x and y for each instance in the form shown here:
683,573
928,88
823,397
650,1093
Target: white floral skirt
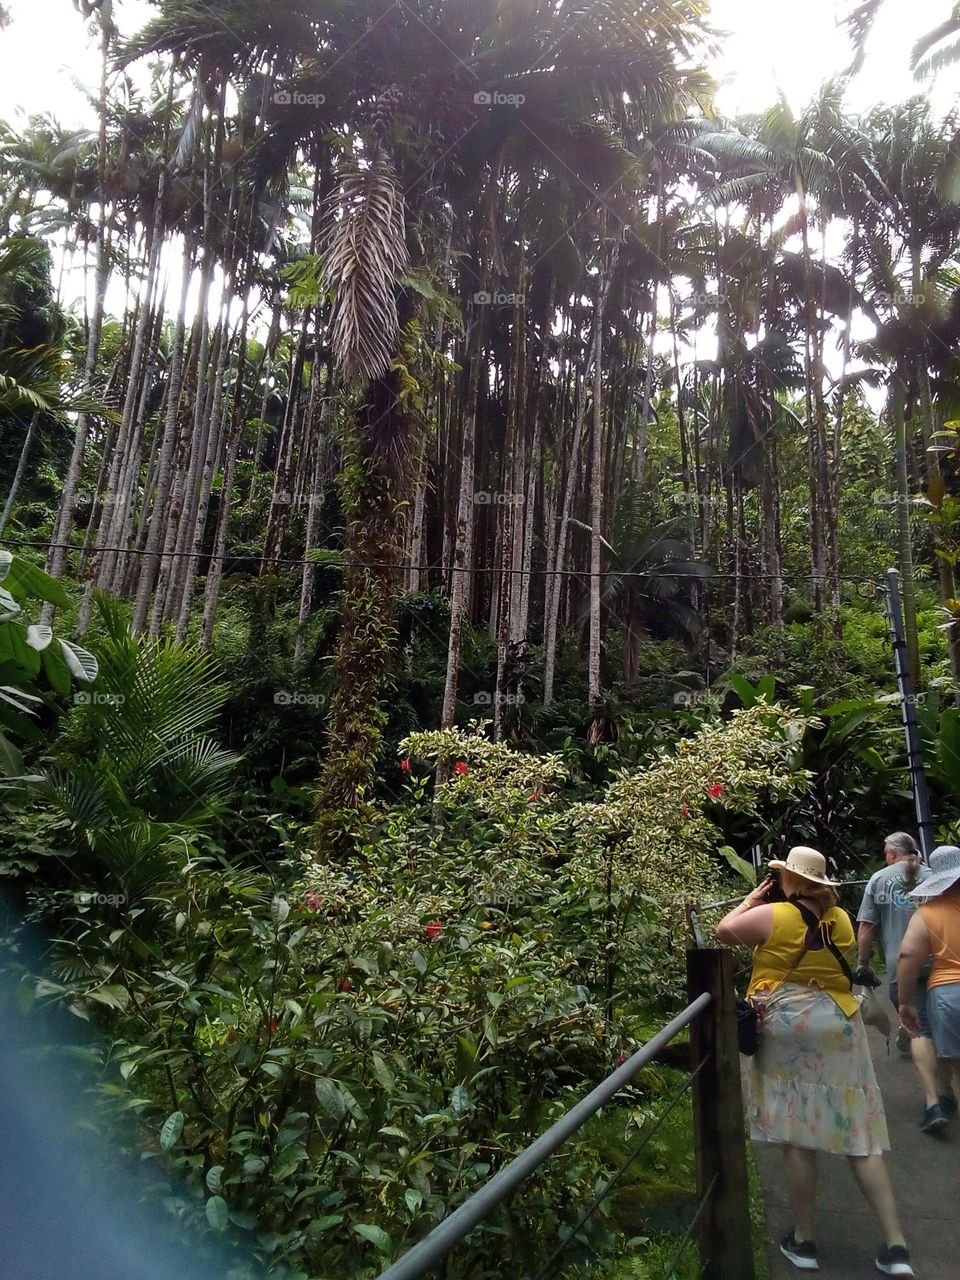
812,1082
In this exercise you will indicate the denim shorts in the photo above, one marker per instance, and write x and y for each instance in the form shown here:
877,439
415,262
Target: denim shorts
921,1004
945,1020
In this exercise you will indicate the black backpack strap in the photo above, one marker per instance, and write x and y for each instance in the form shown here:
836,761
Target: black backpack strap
813,921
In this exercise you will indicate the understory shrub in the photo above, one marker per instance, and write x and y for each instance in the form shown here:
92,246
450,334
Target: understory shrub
327,1059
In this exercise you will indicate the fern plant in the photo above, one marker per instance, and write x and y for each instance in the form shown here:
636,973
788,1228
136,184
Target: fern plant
138,772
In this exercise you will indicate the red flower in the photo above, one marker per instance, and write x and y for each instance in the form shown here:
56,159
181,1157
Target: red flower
716,791
461,769
273,1024
346,985
433,930
534,795
312,901
684,811
621,1059
405,765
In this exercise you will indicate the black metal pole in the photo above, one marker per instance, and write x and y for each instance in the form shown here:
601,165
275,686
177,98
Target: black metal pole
908,709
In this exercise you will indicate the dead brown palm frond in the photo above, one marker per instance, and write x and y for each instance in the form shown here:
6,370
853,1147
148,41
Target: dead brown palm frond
859,21
365,252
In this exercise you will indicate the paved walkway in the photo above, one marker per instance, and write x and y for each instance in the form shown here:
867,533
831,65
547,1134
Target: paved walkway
926,1179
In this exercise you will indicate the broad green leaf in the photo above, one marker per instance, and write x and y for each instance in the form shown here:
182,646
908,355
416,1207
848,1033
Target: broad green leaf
29,582
215,1179
330,1098
325,1223
384,1075
11,761
459,1100
39,636
9,607
56,670
414,1199
279,909
516,982
419,961
352,1105
83,665
744,690
114,997
171,1130
740,865
15,642
218,1215
376,1235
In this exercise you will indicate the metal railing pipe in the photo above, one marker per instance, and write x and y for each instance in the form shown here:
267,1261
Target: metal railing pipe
435,1246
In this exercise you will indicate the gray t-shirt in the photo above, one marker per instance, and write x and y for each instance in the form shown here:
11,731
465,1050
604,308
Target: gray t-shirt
886,902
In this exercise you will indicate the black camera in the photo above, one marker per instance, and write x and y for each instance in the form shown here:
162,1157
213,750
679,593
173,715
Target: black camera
775,892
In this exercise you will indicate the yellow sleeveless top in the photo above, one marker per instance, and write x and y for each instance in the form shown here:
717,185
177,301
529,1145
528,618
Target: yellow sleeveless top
776,960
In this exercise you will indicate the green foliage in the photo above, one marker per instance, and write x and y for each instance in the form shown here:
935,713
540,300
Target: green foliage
28,651
136,773
335,1058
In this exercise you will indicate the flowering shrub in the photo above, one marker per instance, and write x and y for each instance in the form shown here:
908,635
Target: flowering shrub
335,1067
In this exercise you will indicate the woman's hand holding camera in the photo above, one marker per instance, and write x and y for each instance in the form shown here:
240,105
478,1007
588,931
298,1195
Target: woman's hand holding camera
758,896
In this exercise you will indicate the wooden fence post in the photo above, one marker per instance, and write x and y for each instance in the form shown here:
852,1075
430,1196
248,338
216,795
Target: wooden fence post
723,1229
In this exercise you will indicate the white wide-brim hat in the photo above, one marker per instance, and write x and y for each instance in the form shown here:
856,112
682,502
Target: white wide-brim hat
944,872
807,863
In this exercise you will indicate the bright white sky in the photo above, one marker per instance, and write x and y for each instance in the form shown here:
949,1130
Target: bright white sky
772,45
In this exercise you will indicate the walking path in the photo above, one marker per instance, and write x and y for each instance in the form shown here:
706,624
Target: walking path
926,1179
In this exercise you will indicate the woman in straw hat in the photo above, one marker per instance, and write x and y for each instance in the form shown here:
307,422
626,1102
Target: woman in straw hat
813,1083
935,931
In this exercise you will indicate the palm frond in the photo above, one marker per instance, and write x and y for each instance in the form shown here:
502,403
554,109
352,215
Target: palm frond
859,23
947,56
365,253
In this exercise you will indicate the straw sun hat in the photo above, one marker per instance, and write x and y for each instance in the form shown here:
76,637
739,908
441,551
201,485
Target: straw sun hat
807,863
944,872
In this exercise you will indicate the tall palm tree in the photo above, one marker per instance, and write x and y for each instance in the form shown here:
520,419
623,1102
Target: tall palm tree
909,240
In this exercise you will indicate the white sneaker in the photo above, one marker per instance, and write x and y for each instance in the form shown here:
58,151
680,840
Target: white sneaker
894,1260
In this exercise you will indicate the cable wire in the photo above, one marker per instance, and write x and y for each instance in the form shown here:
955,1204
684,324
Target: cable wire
591,1209
439,568
667,1275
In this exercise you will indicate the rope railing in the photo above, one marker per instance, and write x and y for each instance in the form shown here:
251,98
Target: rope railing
434,1247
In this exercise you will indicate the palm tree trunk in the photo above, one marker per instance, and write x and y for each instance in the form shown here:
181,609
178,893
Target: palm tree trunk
594,684
813,426
555,577
18,474
150,562
463,535
63,526
904,543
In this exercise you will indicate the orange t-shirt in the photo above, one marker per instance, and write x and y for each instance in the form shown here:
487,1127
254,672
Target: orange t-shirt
942,919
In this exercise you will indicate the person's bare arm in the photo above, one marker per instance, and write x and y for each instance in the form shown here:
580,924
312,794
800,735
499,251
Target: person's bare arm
914,949
866,932
750,922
